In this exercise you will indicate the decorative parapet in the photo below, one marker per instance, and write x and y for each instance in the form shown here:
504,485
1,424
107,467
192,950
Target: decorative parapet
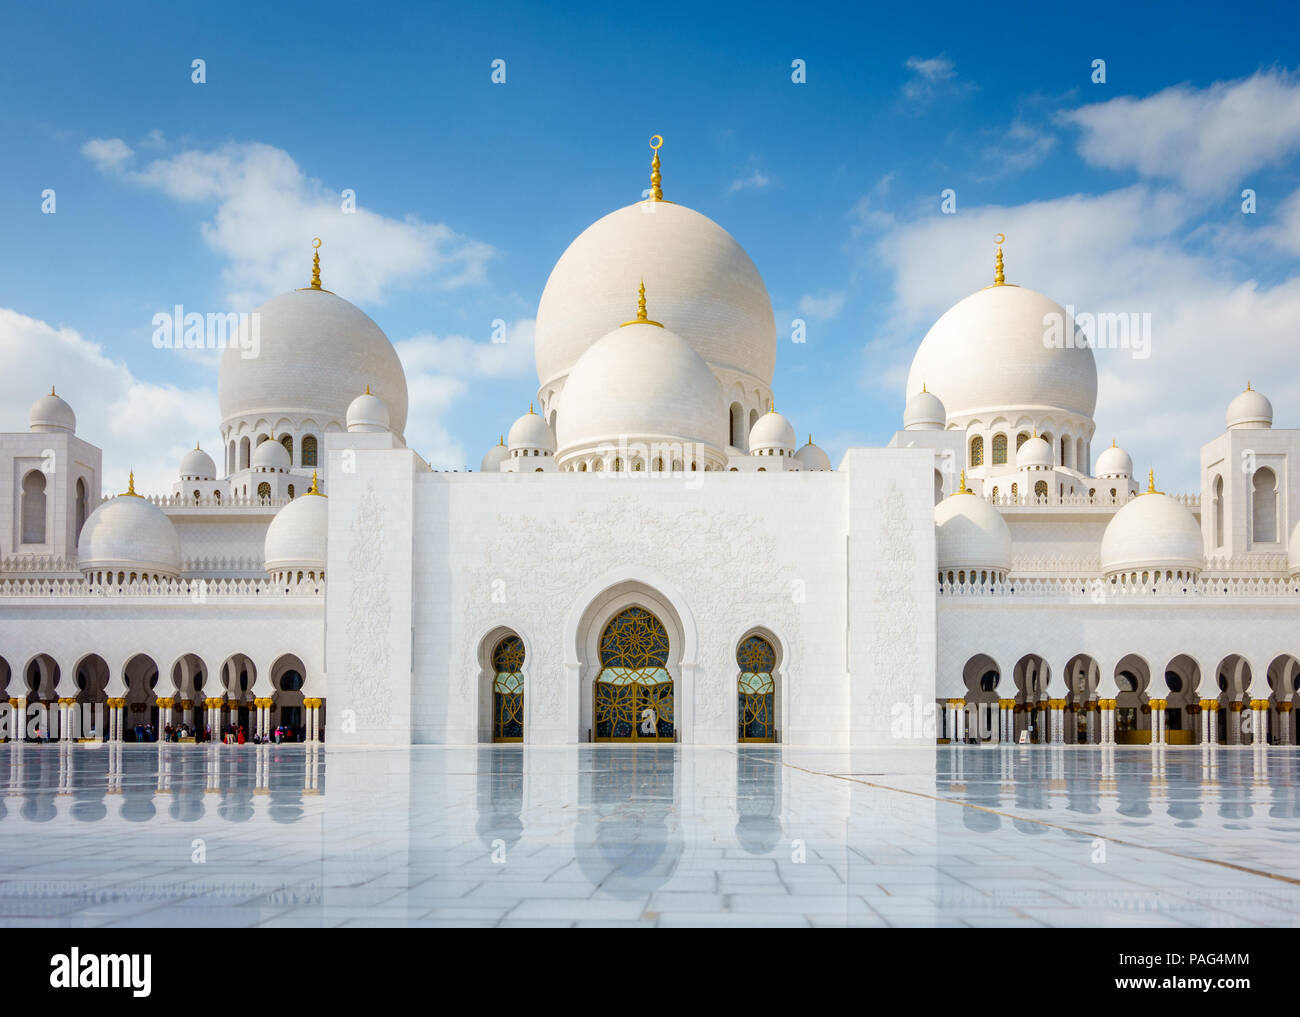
195,591
178,501
1101,590
1192,501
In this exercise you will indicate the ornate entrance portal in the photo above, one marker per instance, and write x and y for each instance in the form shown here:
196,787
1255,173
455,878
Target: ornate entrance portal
508,690
634,691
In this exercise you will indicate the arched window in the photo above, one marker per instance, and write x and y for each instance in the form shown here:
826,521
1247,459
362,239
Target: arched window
977,450
508,690
938,487
1065,446
634,691
999,450
738,426
757,691
1021,438
83,507
287,441
1218,511
244,451
264,490
1015,491
309,450
1040,489
34,508
1263,507
291,491
1081,456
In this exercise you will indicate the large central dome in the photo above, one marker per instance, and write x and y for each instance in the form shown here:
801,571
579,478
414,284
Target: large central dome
314,353
706,290
988,354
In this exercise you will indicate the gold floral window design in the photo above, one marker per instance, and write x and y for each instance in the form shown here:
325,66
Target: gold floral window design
634,691
508,690
757,691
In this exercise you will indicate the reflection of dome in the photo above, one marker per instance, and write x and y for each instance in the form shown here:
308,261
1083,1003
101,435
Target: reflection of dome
272,456
1152,532
1250,409
312,352
1114,462
197,465
295,540
496,455
705,289
772,434
988,352
642,383
367,413
971,534
51,413
1034,453
811,457
924,412
530,432
132,535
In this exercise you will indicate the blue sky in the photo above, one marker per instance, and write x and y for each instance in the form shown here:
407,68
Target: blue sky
1117,196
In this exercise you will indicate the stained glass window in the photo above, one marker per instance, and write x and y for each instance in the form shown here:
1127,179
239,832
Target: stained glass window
757,690
977,450
634,691
508,690
999,450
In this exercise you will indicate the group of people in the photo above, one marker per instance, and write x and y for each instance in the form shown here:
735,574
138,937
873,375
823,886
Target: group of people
233,734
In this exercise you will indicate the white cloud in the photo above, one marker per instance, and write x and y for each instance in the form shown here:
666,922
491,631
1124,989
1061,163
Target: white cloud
931,76
1018,148
140,425
1205,140
109,154
823,305
757,180
438,373
267,210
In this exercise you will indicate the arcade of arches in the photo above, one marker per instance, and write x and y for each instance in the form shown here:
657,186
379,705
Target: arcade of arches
45,702
1222,706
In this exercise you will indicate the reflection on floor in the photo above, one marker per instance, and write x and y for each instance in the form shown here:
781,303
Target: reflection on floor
184,835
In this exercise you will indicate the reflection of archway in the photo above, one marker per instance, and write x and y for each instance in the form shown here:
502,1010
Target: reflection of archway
288,675
756,658
604,599
633,689
628,840
1132,711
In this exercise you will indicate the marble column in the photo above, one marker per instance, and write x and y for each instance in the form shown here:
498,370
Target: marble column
1284,723
1107,708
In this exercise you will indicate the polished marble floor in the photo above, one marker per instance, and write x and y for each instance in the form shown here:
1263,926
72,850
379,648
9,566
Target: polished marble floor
181,835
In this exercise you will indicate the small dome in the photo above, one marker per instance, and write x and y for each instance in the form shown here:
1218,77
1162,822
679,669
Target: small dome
50,413
271,455
1152,531
1250,409
924,412
367,413
529,432
813,458
771,431
643,383
971,534
197,465
295,540
496,455
1114,462
1035,452
129,534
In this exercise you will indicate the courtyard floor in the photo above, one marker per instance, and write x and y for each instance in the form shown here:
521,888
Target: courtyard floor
185,835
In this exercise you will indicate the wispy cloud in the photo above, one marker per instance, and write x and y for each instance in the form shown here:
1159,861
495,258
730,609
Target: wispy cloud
931,77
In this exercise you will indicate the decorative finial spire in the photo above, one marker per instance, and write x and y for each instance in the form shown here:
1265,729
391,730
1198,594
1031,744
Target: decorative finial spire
315,265
52,388
922,388
196,446
130,485
1112,443
999,277
1247,388
367,388
810,437
964,489
641,315
656,192
1151,482
530,410
501,440
314,489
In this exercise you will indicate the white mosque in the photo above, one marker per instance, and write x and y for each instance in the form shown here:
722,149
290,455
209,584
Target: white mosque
652,555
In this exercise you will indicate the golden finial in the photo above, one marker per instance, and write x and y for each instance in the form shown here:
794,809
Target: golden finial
1112,443
367,388
530,410
999,277
810,437
1247,388
922,388
196,447
314,488
656,192
641,316
130,486
1151,483
315,264
963,489
52,389
501,440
